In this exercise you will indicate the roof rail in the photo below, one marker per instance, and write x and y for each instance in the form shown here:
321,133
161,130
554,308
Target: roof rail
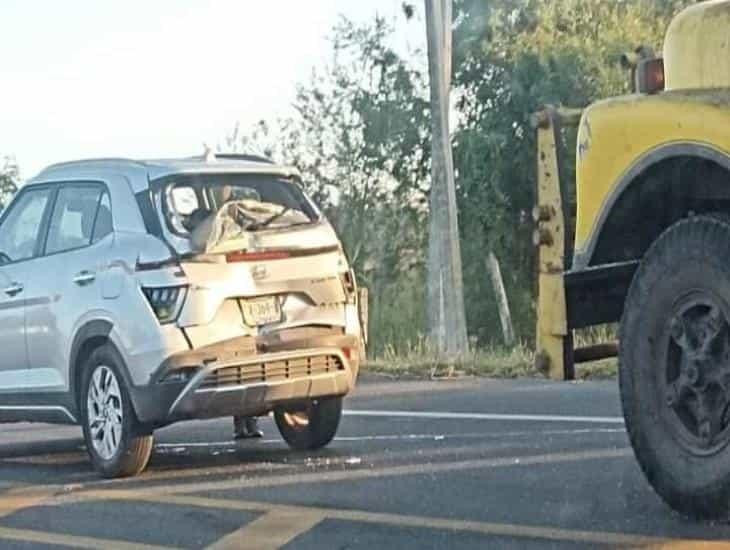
100,160
50,169
244,156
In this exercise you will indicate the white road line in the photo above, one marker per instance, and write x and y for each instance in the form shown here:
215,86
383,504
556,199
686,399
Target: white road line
488,416
390,437
235,445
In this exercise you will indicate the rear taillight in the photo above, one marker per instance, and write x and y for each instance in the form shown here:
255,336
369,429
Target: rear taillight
166,301
277,254
262,255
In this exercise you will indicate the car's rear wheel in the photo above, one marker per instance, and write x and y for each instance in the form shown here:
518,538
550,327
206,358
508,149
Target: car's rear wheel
309,425
675,367
113,439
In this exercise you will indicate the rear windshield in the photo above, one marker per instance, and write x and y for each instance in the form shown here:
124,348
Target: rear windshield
252,202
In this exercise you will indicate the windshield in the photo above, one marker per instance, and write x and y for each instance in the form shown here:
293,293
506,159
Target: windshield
209,209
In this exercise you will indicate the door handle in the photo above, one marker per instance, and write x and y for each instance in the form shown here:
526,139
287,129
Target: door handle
84,278
13,289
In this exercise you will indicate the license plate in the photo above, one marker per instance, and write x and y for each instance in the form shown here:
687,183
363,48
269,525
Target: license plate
261,311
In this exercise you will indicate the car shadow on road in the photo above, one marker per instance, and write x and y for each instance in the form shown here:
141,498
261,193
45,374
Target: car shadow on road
65,461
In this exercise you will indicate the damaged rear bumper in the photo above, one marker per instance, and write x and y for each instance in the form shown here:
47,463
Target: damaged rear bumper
248,384
235,388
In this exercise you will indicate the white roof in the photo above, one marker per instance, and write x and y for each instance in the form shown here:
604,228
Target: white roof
159,168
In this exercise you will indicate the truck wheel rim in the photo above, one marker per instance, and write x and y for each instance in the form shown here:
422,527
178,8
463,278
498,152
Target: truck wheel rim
104,412
695,385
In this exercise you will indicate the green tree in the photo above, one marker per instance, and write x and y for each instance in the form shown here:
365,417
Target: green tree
511,57
9,180
360,137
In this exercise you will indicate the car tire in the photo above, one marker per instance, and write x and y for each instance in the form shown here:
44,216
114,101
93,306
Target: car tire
311,425
114,440
674,366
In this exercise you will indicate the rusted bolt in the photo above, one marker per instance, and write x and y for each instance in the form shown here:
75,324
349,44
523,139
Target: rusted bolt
542,237
542,213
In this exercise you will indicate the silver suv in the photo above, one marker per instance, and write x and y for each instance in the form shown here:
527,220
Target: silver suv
134,294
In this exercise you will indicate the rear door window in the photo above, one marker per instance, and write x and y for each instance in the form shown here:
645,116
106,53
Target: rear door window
74,215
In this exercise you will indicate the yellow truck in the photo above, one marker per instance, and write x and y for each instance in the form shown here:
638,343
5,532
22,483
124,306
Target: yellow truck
650,249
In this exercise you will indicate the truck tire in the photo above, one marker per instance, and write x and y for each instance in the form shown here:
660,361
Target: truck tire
114,441
674,366
310,425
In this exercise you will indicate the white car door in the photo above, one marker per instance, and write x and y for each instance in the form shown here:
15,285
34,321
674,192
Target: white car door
65,288
20,229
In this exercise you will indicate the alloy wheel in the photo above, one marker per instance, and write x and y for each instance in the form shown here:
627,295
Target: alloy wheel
104,411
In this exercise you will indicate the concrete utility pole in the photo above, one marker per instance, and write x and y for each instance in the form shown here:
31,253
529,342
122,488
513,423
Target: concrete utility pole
445,300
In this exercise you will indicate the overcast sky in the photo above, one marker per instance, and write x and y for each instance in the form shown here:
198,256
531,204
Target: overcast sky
143,78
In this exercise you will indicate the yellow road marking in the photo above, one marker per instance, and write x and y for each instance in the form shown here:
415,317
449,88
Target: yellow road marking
689,545
26,496
387,471
279,516
272,530
421,522
42,537
154,475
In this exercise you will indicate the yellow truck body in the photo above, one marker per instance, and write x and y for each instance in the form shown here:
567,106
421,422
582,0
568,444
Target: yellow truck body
651,250
644,162
620,138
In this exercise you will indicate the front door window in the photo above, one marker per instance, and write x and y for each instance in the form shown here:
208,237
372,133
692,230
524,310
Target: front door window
21,227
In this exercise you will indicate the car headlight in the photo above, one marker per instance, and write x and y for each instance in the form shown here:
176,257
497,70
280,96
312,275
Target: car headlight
166,301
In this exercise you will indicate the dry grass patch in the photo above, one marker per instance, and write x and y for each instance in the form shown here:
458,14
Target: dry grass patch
420,362
423,363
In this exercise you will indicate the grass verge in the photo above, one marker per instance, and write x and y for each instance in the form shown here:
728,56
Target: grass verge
517,362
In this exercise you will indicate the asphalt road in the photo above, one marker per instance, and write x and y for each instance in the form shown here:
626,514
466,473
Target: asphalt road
467,464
